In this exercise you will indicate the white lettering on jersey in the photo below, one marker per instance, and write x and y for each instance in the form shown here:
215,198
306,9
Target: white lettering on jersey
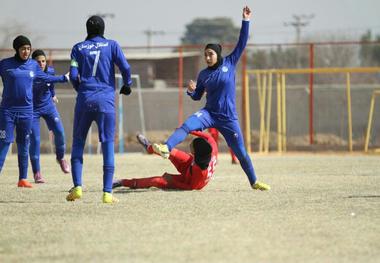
198,114
211,168
91,46
3,134
97,55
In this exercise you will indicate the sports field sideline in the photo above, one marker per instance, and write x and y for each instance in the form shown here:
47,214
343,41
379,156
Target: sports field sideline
321,208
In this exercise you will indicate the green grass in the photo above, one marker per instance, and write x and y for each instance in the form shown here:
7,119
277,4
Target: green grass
322,208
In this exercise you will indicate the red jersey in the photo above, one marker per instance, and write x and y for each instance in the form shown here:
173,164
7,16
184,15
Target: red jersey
192,177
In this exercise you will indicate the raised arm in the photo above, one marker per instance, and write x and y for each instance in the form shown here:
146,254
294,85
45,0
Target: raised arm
243,37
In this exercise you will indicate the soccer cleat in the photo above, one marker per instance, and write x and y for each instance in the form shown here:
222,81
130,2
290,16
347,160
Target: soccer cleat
161,149
143,141
65,167
116,183
38,178
74,193
24,183
260,186
108,198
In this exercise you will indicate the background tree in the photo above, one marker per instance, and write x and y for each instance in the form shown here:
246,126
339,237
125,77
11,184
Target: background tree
370,53
9,32
214,30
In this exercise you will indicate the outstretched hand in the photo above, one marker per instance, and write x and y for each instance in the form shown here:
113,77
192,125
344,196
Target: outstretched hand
246,12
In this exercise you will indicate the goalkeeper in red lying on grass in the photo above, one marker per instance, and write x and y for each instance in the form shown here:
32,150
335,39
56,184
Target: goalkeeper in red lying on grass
195,169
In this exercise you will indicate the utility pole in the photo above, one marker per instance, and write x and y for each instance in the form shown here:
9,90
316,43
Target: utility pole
298,23
149,35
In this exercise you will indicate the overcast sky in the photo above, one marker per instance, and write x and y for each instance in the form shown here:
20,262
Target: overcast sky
60,24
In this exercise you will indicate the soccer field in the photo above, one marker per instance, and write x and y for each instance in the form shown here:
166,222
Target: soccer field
322,208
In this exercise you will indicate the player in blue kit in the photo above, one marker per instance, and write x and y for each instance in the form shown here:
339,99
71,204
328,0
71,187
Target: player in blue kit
43,106
92,74
16,108
218,81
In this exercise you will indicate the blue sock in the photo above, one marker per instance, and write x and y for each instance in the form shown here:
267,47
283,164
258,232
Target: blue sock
77,161
59,140
23,150
178,136
34,152
108,165
247,166
4,147
245,161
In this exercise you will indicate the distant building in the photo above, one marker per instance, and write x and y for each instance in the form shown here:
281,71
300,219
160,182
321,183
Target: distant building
157,70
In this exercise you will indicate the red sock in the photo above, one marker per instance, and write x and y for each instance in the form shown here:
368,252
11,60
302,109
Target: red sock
233,157
150,149
158,181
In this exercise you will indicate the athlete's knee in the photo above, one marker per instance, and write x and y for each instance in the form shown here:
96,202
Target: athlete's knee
59,136
77,150
185,128
78,143
36,140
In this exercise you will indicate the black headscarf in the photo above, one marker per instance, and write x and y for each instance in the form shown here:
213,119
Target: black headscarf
18,42
95,27
37,53
218,50
202,152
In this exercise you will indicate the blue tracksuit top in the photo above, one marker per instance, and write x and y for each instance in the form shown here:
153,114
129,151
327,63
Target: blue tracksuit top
220,83
43,93
92,73
18,77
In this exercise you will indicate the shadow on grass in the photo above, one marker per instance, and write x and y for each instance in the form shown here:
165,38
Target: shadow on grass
144,190
364,196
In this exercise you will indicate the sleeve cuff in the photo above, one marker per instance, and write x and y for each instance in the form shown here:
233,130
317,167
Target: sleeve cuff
246,19
189,93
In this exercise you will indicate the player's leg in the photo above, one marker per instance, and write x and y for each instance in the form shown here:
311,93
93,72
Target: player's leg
106,127
23,130
34,149
6,134
180,159
198,121
234,159
54,123
82,123
145,143
141,183
234,137
214,133
4,147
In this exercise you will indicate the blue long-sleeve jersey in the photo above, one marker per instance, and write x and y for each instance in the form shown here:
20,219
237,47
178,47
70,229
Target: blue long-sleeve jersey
18,77
43,92
92,73
219,84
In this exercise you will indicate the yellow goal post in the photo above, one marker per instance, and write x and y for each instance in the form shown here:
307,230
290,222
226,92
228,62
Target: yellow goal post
265,83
